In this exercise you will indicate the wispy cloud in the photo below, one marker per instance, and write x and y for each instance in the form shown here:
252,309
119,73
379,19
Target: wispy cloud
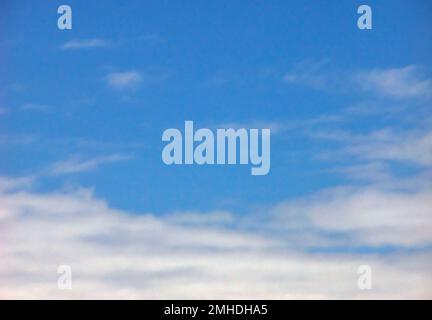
123,79
3,111
129,79
404,82
274,126
13,184
412,146
364,216
397,83
85,44
76,165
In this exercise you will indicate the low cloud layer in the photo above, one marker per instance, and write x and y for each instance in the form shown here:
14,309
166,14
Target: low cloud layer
118,254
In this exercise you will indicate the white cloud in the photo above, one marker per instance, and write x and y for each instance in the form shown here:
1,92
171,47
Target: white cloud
377,172
197,218
116,254
123,79
75,165
412,146
11,184
365,216
403,82
83,44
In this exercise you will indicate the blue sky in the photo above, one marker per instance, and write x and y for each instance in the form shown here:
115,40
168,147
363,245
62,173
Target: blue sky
349,109
208,63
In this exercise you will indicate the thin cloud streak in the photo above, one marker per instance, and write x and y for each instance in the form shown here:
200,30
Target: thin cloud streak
84,44
397,83
123,79
75,165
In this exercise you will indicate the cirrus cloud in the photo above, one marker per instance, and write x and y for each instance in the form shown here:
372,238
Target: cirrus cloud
123,79
84,44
